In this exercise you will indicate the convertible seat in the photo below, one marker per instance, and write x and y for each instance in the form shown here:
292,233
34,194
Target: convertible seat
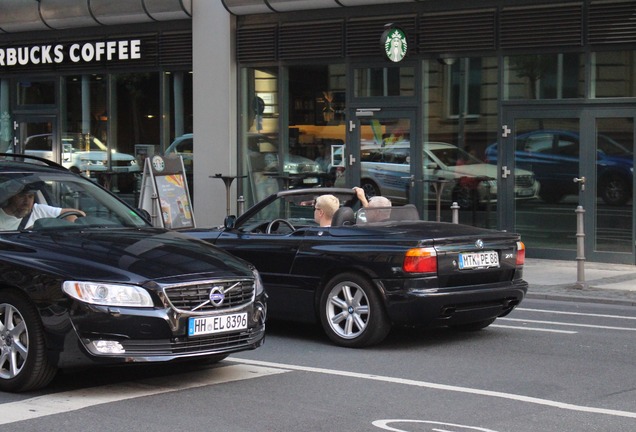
407,212
343,216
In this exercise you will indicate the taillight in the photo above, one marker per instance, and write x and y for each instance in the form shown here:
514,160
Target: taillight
521,253
420,260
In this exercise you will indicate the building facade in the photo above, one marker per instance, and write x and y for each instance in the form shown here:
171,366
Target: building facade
519,111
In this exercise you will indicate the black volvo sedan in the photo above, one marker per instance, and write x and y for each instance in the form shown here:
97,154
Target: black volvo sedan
85,279
373,267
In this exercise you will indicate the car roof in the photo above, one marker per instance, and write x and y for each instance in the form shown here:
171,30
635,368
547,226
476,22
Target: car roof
19,163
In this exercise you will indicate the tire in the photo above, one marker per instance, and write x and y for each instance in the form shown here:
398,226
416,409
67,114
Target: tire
465,198
370,188
550,195
351,312
24,364
615,190
474,326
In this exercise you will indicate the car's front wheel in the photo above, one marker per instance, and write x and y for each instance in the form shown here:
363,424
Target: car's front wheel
24,364
352,313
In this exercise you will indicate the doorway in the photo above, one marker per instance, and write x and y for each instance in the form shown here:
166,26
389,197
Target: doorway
36,136
382,157
582,159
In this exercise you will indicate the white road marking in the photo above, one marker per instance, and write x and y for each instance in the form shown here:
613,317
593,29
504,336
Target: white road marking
534,329
568,324
436,386
57,403
384,424
577,313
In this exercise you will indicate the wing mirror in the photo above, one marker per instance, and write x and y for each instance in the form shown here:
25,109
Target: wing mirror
229,222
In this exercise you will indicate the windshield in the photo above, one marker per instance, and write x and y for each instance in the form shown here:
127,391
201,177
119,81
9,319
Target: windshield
78,142
43,200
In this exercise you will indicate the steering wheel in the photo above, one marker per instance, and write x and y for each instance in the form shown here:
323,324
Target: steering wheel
270,226
70,213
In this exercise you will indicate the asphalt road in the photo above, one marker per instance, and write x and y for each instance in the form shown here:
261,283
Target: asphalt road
549,366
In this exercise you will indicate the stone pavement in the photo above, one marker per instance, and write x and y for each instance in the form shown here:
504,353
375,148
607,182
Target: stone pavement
603,283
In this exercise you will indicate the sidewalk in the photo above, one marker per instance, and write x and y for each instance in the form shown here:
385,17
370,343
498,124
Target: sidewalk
603,283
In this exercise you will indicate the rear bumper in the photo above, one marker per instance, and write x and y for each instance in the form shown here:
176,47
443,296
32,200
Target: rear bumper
454,306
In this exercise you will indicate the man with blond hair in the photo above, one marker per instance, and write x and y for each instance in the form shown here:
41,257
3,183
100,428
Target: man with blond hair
324,208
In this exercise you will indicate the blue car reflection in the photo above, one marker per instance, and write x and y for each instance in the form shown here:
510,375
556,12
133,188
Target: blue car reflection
553,156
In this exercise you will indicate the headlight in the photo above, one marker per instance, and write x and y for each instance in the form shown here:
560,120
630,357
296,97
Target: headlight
108,294
258,283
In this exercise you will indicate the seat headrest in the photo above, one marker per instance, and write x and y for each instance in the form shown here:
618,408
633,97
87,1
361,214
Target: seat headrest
343,216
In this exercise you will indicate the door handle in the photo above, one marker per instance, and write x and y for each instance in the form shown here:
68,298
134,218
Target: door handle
580,181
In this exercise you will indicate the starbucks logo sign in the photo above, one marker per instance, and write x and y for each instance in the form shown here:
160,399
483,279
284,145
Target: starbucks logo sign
395,45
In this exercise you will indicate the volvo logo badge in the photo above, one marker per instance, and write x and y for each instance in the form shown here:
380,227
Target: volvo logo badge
479,244
217,296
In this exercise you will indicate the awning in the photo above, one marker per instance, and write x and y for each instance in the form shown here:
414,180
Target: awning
249,7
23,15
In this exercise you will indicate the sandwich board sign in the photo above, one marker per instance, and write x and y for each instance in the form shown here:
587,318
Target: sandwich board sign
164,192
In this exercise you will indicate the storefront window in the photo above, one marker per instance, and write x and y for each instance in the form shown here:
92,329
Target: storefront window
613,74
454,137
35,92
6,129
387,81
316,122
259,139
463,87
544,76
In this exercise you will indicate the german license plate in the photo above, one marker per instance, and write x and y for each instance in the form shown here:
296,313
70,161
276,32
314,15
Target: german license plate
217,324
525,192
483,259
310,180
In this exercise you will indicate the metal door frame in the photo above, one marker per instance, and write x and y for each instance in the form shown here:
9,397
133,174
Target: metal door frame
26,117
587,168
351,156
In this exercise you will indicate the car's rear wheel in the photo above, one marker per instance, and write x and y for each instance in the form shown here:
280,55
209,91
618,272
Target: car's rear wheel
370,188
615,190
352,313
24,364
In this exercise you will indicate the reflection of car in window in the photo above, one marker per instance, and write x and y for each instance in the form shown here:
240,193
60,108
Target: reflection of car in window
553,156
263,157
87,154
466,179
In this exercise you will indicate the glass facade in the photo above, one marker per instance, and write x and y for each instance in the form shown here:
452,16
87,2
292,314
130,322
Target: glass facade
544,76
101,125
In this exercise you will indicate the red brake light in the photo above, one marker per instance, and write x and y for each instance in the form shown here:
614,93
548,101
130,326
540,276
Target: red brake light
420,260
521,253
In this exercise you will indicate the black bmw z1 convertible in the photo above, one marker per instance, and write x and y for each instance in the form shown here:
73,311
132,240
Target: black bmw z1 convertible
360,276
85,279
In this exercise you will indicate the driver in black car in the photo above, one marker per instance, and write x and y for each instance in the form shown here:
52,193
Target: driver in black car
21,211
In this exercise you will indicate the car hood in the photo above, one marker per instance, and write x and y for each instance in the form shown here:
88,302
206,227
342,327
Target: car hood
102,155
124,256
625,159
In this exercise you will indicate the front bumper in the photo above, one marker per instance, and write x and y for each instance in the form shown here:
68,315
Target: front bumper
115,335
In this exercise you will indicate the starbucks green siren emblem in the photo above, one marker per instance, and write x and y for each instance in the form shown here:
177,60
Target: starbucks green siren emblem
395,45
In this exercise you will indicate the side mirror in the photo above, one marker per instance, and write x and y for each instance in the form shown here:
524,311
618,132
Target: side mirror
229,222
144,214
432,166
